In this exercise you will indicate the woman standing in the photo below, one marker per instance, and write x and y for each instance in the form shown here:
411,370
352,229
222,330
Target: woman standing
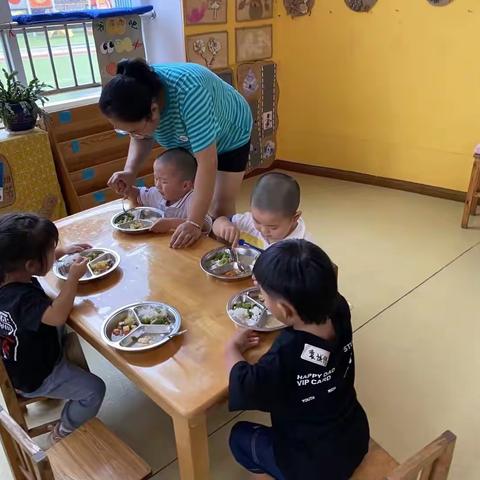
182,105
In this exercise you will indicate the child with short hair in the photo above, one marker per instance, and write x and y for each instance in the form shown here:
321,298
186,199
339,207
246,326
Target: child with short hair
306,380
31,323
174,173
274,214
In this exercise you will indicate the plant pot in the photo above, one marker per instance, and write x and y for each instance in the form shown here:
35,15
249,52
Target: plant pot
21,120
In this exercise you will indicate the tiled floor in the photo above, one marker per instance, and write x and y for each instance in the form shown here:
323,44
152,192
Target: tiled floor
412,275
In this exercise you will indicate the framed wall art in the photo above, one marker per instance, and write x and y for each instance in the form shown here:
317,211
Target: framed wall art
298,8
226,75
247,10
360,5
209,49
204,12
253,43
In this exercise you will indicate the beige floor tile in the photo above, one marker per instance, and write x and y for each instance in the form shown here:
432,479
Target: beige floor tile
418,367
384,241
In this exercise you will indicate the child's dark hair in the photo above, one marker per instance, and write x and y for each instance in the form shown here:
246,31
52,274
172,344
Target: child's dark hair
302,274
24,237
182,160
128,96
276,192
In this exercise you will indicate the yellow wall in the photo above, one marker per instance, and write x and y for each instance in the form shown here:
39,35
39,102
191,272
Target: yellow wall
395,92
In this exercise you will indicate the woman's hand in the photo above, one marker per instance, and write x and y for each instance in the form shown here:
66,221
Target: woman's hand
74,248
122,182
185,235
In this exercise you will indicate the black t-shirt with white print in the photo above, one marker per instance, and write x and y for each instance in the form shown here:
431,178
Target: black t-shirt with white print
320,430
30,349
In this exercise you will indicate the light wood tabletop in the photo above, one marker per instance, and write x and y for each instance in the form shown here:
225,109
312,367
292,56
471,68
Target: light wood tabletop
185,376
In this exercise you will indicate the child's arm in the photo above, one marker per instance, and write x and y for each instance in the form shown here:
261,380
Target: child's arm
57,314
133,196
241,341
224,229
166,225
75,248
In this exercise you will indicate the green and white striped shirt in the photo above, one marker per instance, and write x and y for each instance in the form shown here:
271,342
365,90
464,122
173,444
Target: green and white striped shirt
201,109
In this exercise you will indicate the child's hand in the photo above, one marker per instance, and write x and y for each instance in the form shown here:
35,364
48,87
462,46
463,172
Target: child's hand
243,340
70,249
163,225
78,268
228,232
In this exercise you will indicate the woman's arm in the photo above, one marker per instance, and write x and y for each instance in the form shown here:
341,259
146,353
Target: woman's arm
138,152
187,233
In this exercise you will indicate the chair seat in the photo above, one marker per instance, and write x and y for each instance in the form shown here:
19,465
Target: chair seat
93,452
376,465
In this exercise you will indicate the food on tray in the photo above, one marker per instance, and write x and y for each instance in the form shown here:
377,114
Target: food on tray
220,259
247,313
153,315
90,256
125,218
146,339
102,266
233,273
125,325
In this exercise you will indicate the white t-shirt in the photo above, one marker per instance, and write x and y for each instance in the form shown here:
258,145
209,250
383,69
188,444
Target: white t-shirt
244,222
151,197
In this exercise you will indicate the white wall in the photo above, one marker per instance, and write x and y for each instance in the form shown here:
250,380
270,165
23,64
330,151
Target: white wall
5,15
164,35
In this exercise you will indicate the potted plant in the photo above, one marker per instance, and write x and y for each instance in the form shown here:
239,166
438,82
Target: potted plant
19,109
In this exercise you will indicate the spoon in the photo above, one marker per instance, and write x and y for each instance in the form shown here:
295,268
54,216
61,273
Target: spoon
243,243
181,332
240,265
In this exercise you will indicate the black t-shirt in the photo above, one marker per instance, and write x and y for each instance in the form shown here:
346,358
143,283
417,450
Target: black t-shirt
30,349
320,430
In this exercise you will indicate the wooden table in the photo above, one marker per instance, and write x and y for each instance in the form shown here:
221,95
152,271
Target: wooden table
186,376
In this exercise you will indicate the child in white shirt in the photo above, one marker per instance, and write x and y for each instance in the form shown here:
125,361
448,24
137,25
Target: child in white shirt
174,174
274,214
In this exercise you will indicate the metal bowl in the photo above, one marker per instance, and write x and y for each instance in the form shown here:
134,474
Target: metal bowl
132,341
62,265
145,216
229,271
266,322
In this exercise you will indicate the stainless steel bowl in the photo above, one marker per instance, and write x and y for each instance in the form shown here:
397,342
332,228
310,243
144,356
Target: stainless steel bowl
266,323
62,265
146,216
230,272
132,341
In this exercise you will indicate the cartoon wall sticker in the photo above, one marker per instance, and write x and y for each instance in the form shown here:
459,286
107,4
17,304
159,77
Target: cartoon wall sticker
204,12
360,5
298,8
117,38
209,49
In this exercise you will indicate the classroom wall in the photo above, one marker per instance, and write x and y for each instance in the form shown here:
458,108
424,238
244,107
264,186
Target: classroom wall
394,92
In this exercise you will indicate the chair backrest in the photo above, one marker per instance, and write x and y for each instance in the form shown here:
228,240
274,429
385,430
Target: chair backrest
431,463
27,459
10,397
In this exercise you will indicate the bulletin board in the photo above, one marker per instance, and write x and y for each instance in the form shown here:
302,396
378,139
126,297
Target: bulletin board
28,180
116,39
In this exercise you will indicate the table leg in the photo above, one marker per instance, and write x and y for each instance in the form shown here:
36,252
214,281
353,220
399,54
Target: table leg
192,447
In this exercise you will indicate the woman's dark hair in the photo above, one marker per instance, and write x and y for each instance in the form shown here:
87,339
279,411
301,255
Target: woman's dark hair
302,274
128,96
24,237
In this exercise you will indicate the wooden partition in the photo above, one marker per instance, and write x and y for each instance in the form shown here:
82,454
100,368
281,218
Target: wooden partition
87,151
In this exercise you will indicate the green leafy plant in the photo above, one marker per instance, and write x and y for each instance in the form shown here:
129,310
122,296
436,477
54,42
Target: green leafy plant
13,91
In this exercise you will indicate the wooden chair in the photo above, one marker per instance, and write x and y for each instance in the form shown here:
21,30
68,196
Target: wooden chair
473,194
431,463
90,453
17,405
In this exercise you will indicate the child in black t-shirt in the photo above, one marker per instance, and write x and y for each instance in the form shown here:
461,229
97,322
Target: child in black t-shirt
306,380
31,323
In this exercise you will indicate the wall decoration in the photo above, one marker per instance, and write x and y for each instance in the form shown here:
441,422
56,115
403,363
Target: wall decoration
439,3
257,82
253,10
209,49
204,12
117,38
254,43
7,189
298,8
227,76
360,5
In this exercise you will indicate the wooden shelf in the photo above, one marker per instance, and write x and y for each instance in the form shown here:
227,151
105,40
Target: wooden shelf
87,152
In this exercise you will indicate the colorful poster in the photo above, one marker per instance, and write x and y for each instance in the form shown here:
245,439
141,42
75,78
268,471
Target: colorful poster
116,39
41,3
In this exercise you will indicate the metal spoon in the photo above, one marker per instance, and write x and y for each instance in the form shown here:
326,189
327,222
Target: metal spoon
181,332
240,265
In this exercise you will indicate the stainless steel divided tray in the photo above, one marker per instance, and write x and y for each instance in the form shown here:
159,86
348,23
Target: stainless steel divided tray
136,220
141,326
220,262
247,310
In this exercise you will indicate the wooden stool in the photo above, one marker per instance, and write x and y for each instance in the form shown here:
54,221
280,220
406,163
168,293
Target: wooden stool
473,193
